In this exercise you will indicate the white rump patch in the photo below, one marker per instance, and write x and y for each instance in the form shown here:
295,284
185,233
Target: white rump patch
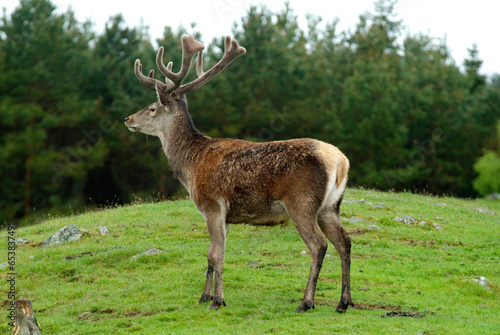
333,193
332,157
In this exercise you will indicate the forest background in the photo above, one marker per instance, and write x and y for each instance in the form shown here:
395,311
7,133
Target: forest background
407,116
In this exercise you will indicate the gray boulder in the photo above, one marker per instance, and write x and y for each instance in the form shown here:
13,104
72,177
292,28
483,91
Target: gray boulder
103,230
493,196
485,211
406,219
22,240
482,281
152,251
355,219
66,234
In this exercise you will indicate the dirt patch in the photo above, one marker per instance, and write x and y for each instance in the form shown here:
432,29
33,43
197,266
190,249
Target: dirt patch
79,256
324,302
364,256
375,306
403,314
132,314
279,265
356,231
429,244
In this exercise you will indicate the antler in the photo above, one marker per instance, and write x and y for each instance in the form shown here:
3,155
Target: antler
173,81
232,51
149,81
189,48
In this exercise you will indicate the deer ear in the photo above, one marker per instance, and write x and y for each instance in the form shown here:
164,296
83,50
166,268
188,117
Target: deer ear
163,95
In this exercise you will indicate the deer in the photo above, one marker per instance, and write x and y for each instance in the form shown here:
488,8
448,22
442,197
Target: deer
232,181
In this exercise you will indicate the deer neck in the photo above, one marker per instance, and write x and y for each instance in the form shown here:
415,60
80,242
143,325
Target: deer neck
181,142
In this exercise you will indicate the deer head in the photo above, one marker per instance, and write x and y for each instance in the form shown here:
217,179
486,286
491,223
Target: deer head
171,94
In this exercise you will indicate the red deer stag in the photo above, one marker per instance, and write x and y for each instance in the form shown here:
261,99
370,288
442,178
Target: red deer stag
235,181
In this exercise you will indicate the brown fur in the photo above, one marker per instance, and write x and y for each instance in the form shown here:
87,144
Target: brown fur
235,181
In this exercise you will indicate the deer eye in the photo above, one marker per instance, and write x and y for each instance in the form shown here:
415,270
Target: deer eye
152,110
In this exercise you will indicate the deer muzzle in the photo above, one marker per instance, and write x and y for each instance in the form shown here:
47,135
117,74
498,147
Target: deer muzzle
129,126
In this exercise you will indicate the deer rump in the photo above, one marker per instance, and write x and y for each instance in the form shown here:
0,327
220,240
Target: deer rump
254,181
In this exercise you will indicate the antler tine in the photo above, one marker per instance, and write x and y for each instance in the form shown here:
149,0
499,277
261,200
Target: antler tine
189,48
199,64
232,51
149,81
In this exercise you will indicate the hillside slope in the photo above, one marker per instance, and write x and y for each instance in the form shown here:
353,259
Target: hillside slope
400,270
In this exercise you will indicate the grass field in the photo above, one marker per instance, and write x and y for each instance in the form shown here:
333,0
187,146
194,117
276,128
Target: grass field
92,286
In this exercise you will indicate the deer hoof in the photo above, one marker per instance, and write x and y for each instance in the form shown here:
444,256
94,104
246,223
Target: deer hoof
204,298
304,306
218,303
343,305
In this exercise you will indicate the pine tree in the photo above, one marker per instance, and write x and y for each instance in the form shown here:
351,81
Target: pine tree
45,55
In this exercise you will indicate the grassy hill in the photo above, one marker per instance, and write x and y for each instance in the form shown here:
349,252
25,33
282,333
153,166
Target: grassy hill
93,286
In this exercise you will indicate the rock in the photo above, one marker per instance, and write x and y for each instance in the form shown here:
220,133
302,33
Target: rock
485,211
406,219
373,227
482,281
4,265
442,204
493,196
355,201
303,252
434,225
66,234
152,251
253,264
103,230
355,219
22,240
379,205
438,227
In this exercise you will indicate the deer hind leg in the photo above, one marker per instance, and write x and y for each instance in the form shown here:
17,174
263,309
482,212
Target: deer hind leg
329,221
307,227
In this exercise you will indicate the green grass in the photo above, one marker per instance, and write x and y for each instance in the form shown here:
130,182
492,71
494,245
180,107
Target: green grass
410,268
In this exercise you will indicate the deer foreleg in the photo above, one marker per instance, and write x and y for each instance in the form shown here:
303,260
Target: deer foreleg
207,291
217,229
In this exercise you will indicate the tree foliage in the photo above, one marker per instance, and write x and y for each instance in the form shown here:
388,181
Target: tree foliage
488,168
400,108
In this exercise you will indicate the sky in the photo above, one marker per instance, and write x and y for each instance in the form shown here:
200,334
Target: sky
461,23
